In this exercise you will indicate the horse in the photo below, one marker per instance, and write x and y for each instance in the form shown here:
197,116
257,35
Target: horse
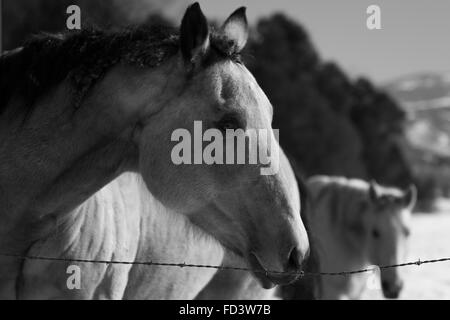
134,227
80,109
359,224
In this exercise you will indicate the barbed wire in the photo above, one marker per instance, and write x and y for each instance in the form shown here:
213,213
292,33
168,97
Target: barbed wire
205,266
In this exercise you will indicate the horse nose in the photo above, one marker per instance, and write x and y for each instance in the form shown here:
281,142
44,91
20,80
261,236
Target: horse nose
392,291
297,258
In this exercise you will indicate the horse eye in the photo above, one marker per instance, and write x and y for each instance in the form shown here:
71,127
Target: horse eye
375,234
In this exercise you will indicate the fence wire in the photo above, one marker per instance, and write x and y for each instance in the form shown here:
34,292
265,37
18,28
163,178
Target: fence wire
205,266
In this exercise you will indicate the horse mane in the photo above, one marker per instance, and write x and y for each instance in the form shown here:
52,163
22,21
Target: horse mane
344,197
84,57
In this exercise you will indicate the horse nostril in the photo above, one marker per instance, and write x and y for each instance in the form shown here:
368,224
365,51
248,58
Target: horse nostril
296,258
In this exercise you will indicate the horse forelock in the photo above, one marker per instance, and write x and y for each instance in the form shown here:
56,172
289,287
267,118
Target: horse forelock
85,56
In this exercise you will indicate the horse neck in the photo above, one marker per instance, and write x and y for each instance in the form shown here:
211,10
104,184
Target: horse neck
59,157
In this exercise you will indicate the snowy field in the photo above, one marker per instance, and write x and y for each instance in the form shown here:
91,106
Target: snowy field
430,239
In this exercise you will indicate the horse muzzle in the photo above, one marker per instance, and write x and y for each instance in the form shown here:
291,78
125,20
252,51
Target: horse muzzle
270,277
392,290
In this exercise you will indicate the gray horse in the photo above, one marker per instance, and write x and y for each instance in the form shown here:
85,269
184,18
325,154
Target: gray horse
79,110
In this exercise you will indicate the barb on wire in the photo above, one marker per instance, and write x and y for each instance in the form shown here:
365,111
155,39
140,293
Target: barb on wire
205,266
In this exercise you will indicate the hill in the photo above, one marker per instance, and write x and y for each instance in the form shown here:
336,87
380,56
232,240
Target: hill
426,100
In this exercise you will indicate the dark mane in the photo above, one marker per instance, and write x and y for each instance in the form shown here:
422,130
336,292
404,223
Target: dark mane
84,57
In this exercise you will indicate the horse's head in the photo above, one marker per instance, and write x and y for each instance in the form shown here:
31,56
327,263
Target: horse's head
249,207
389,232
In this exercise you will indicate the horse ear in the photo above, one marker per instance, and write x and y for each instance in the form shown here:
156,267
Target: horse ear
410,197
373,191
235,29
194,34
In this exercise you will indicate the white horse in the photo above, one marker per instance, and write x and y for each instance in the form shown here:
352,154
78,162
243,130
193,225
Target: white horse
77,111
121,222
352,224
357,224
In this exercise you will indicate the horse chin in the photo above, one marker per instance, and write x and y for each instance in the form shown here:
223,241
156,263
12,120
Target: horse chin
391,295
391,289
268,280
264,280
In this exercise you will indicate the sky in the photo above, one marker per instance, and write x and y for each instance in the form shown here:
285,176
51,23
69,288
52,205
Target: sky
415,34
